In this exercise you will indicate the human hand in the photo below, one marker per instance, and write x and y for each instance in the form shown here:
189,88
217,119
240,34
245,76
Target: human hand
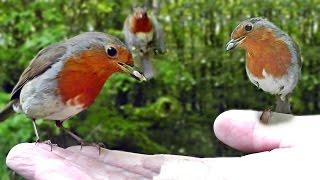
292,139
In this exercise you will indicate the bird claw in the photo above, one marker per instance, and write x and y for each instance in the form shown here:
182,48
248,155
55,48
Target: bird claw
98,145
266,116
48,142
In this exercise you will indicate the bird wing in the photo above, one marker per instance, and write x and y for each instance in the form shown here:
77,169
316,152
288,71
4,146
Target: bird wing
298,53
128,35
43,61
158,35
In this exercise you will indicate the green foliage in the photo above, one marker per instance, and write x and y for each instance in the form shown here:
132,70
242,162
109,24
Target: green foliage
196,80
15,130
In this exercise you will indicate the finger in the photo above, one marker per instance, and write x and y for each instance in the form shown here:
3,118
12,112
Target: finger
285,163
185,167
156,162
39,162
242,130
132,162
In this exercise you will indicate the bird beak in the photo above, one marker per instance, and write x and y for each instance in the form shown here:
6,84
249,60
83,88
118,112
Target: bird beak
233,43
130,70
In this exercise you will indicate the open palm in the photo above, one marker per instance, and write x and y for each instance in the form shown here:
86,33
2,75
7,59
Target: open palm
288,146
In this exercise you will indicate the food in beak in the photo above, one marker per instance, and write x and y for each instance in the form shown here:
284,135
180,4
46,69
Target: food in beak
130,70
233,43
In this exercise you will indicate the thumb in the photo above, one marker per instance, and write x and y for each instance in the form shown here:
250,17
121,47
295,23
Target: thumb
242,130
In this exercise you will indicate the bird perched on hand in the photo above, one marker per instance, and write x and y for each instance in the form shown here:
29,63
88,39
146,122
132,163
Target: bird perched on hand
273,61
65,78
144,34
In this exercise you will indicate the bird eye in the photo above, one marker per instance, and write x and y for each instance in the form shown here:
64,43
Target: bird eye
248,27
112,52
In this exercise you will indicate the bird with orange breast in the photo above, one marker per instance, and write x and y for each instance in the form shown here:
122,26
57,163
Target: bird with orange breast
65,78
144,34
273,61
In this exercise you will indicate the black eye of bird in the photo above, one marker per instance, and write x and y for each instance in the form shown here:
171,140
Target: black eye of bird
112,52
248,27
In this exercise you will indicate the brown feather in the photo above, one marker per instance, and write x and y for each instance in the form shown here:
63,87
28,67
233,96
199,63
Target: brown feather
266,52
43,61
143,25
84,75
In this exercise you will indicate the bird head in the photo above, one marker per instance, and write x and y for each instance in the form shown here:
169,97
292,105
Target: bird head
254,31
107,55
140,13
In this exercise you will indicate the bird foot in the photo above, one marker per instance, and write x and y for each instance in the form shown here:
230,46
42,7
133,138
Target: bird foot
266,116
48,142
82,142
98,145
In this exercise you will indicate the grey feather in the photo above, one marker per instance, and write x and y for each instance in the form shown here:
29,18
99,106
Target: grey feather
147,66
159,44
43,61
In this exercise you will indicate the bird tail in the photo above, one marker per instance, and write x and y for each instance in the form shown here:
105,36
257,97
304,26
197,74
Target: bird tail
148,71
283,105
7,111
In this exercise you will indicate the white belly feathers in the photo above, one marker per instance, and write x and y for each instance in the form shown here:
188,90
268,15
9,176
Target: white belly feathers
145,38
280,86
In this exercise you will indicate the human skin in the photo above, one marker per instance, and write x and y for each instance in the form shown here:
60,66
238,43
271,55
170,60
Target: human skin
287,148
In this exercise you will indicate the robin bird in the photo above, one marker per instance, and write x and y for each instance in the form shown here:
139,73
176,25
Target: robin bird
144,34
273,61
65,78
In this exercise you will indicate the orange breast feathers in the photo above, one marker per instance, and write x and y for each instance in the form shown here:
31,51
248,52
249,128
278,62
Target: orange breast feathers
143,25
83,77
264,51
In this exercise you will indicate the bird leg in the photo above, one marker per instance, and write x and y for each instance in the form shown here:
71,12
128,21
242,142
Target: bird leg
79,139
282,106
266,115
49,143
37,136
35,130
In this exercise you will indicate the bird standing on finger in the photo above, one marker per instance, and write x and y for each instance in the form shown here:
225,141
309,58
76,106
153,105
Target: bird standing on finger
65,78
144,34
273,61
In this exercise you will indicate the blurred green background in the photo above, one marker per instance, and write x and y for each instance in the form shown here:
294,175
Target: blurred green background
196,81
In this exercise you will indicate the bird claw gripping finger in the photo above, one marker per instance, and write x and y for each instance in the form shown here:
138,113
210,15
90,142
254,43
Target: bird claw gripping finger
37,141
48,142
98,145
266,116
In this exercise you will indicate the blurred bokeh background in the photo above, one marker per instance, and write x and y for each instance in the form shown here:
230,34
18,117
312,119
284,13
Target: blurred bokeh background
196,79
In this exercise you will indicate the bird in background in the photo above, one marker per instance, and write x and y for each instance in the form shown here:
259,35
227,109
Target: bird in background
144,35
273,61
65,78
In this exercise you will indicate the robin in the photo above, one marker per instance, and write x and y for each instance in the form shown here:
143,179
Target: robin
65,78
273,61
144,34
